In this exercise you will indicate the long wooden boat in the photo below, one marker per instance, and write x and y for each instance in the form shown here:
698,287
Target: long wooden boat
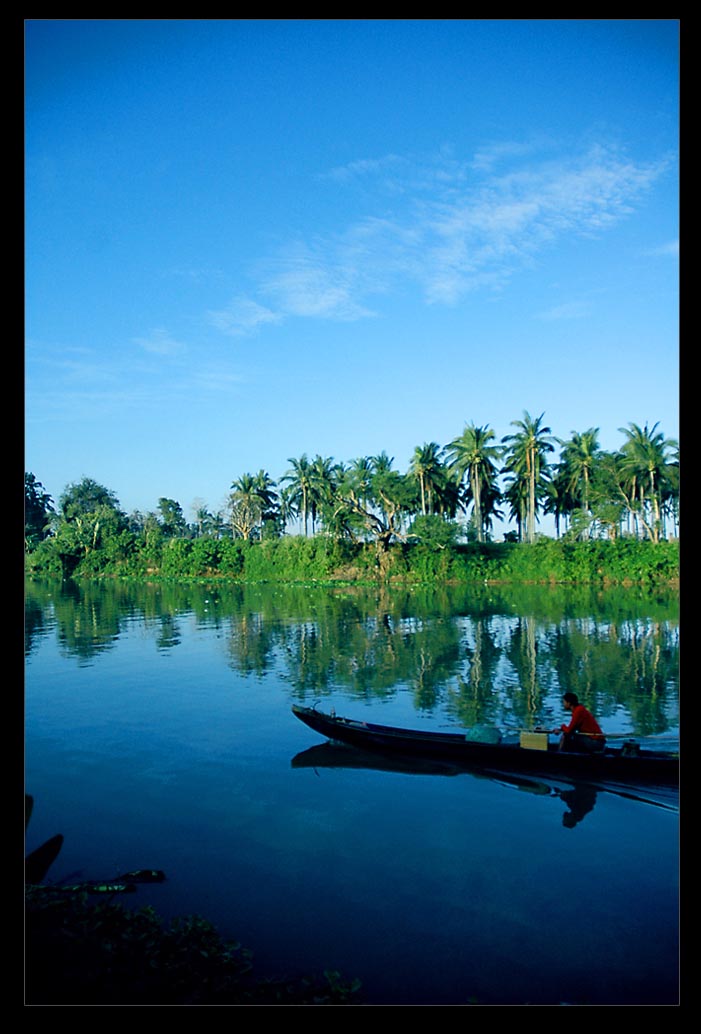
614,763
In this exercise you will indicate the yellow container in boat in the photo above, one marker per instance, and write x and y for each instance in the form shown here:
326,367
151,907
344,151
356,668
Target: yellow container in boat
534,740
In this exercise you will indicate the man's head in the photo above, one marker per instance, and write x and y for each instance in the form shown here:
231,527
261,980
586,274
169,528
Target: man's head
570,700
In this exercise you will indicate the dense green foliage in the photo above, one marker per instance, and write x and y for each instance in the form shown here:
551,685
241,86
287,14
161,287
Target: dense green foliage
365,519
300,559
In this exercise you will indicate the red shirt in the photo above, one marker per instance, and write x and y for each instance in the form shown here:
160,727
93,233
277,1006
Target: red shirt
583,721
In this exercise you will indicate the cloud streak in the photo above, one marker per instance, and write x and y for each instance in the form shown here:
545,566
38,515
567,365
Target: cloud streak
160,342
567,311
242,316
72,384
443,228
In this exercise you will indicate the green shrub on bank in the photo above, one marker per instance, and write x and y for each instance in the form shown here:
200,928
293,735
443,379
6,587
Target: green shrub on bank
298,559
44,561
584,563
321,558
79,953
546,561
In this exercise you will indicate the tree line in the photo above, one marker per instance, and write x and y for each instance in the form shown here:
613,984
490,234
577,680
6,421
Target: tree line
447,492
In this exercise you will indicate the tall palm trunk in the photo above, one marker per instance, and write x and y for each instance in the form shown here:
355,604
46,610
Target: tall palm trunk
530,527
477,503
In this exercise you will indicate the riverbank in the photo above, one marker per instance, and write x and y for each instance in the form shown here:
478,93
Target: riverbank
83,953
324,559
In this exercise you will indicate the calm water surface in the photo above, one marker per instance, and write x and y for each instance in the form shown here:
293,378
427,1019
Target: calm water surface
159,735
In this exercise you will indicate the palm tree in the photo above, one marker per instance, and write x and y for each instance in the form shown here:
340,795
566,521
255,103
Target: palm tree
450,495
645,461
613,493
526,462
300,479
381,469
670,490
392,497
381,463
203,520
288,506
265,489
360,473
269,500
427,468
578,458
490,499
559,500
516,495
576,467
325,474
246,508
471,456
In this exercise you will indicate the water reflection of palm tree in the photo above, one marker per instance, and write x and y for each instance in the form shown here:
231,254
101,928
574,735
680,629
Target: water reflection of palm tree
523,654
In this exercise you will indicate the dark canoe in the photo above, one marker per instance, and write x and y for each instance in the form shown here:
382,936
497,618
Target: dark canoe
648,766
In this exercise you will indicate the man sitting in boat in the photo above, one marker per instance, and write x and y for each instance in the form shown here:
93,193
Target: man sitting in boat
583,734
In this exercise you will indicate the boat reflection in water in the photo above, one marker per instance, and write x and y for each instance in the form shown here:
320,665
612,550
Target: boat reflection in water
579,796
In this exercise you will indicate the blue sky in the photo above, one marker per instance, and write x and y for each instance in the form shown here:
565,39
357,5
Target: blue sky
249,240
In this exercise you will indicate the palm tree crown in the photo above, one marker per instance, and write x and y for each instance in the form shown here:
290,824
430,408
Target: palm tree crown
300,479
578,457
426,466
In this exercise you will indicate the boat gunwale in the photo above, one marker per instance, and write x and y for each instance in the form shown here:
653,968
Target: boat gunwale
394,732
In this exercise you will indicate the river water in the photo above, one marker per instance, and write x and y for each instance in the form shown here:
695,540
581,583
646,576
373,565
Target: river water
159,734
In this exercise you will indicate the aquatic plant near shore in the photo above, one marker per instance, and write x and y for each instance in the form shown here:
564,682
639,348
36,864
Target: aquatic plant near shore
82,953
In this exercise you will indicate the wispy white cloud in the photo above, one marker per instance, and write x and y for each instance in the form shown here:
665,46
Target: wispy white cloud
197,274
443,227
363,168
325,278
242,316
492,154
213,378
73,383
160,342
567,311
669,248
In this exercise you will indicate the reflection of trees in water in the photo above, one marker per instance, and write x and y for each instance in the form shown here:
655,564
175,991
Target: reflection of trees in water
373,655
251,645
168,632
435,653
481,656
38,620
87,620
475,698
608,665
525,697
653,652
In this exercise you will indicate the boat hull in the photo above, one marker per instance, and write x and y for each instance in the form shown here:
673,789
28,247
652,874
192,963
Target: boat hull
657,767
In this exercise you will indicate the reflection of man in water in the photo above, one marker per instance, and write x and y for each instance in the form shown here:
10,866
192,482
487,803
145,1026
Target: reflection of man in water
580,800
